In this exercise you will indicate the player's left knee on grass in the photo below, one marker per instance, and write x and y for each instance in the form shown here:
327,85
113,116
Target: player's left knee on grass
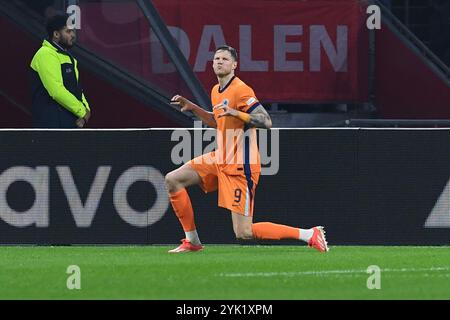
244,234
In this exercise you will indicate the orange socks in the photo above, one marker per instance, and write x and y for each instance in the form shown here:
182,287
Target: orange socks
272,231
181,204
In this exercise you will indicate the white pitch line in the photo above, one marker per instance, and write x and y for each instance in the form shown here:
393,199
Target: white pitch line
325,272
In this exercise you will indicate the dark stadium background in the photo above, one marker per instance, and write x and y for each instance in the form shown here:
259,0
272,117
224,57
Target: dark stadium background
365,150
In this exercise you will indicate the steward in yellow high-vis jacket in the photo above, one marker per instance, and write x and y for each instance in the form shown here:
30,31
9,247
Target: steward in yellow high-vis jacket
57,97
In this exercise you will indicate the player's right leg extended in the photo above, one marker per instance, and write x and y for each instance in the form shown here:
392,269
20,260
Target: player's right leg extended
176,183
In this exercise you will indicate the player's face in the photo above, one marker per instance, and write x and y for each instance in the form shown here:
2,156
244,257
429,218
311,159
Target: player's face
223,63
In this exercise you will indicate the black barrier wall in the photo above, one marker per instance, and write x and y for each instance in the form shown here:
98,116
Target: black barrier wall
366,186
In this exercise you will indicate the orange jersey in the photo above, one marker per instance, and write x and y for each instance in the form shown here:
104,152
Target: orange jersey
237,147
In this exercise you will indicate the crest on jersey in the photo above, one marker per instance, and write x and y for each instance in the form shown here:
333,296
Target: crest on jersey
225,102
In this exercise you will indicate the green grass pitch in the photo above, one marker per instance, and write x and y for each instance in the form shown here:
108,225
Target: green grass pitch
225,272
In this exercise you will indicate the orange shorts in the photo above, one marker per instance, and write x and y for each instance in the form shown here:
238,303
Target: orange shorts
236,192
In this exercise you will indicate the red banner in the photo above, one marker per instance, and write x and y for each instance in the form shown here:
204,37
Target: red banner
289,51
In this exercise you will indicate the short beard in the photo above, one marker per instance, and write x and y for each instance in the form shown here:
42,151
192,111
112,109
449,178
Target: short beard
63,44
222,75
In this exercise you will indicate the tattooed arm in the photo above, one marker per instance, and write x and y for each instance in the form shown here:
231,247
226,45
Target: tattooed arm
259,118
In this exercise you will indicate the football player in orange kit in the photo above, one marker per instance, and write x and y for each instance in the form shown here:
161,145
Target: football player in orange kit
234,167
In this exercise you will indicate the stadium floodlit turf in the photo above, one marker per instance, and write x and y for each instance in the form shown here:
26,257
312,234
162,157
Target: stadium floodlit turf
225,272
